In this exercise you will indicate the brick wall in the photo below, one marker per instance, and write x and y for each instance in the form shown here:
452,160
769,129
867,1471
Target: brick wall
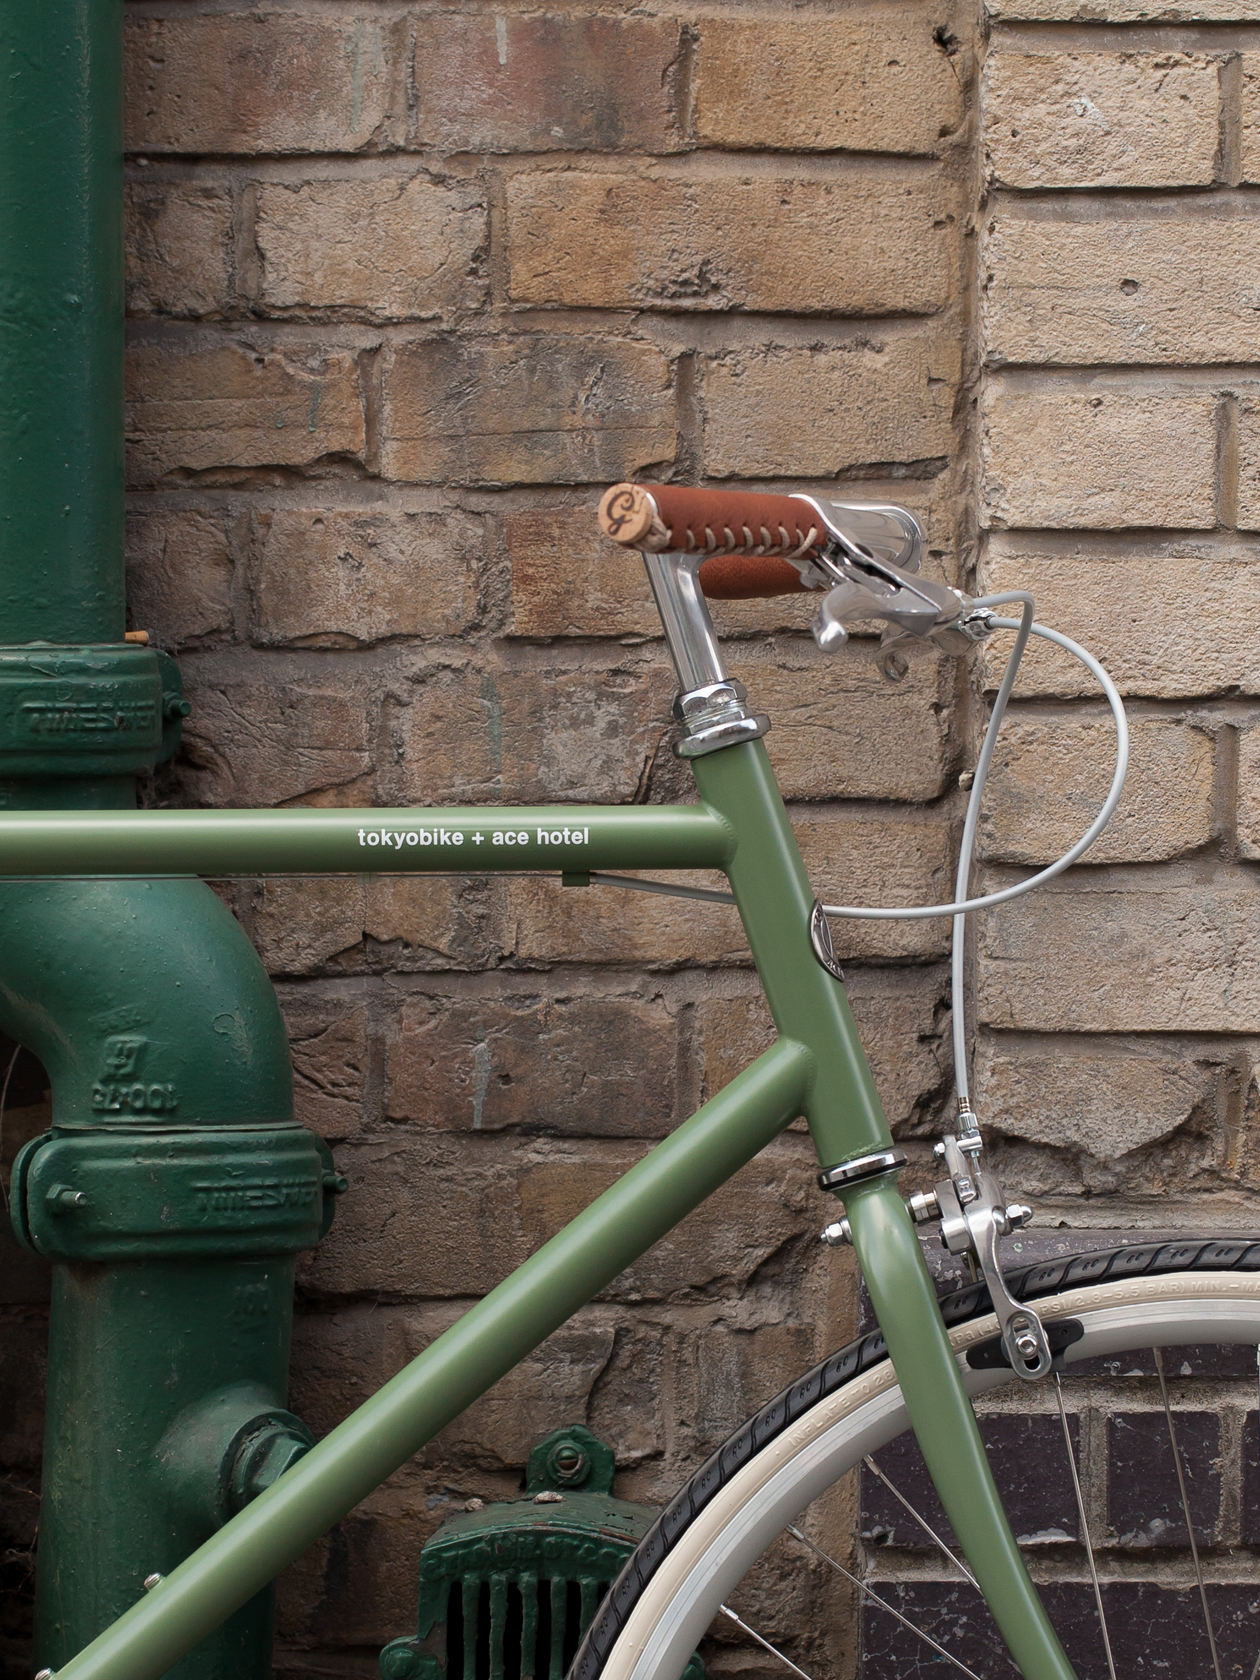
409,286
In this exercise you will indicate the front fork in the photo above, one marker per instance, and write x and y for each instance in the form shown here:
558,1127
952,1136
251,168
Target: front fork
940,1411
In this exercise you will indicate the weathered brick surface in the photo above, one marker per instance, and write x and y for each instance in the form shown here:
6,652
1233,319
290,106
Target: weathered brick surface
789,411
1251,117
1050,777
532,1064
251,744
179,248
235,406
1249,463
391,248
1121,11
533,409
338,577
1189,636
878,82
1172,958
179,575
539,83
840,729
575,239
1109,1104
528,736
263,82
1100,456
329,1034
1156,290
1092,119
1249,791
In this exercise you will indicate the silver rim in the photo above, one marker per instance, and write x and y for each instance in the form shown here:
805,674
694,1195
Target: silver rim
756,1505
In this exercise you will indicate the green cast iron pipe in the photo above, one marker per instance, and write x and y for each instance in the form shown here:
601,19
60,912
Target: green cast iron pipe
450,1374
61,321
154,1018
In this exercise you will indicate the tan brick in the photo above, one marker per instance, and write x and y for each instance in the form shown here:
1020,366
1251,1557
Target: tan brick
411,924
1051,775
1172,622
263,82
396,249
234,406
328,1039
878,82
841,730
1251,117
896,1016
866,861
499,1207
1098,456
577,239
340,577
1105,1103
516,736
508,83
574,1066
1123,11
256,744
179,576
533,410
179,248
1249,463
1249,791
802,412
1183,957
1080,119
1122,291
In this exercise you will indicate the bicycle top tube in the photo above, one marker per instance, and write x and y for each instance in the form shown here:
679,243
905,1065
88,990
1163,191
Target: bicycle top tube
473,840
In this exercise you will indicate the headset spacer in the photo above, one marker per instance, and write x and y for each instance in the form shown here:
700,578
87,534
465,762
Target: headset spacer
849,1173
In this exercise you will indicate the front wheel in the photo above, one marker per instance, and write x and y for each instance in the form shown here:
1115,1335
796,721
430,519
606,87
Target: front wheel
1178,1591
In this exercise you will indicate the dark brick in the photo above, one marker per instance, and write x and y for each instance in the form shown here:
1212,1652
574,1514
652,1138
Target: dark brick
1250,1456
1154,1631
1143,1499
1030,1468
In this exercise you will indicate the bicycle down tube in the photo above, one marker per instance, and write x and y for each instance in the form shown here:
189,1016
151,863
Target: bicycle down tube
816,1068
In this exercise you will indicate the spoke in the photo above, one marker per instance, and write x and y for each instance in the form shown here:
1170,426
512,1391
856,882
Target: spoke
1185,1511
882,1603
764,1643
1080,1508
923,1523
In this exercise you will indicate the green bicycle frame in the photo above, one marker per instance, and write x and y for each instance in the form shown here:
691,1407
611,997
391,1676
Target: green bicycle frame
816,1068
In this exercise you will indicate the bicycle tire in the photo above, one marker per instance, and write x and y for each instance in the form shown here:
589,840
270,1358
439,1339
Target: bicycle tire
1193,1290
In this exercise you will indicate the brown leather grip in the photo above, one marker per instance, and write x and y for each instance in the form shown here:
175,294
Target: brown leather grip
746,533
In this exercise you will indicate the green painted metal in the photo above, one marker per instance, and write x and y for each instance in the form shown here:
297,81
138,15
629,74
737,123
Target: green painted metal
99,711
61,321
136,1353
550,1563
775,900
310,841
483,1346
905,1305
173,1138
131,1194
114,984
